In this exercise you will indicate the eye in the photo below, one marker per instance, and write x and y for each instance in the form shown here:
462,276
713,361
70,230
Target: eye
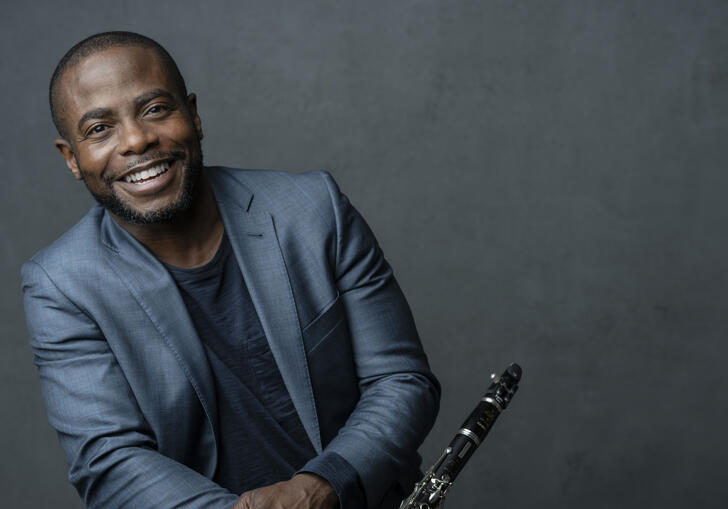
157,108
98,129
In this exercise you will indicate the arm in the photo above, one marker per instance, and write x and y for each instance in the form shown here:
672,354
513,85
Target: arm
110,449
399,395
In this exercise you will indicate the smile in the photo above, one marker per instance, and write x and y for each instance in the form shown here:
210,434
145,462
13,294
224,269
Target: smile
142,176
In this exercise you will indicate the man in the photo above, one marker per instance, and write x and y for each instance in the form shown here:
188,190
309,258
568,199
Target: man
211,337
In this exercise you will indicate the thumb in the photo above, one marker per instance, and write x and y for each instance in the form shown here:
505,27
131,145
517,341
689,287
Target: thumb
250,499
245,501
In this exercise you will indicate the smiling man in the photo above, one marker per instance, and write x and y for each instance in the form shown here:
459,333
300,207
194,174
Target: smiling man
214,337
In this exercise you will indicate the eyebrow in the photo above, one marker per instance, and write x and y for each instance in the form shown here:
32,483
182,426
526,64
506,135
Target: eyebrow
92,114
143,99
139,101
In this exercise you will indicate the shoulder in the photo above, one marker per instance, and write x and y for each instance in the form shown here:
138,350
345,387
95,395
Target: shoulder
277,185
73,255
288,196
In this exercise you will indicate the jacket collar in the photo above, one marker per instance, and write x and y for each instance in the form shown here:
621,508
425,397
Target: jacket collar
252,232
155,291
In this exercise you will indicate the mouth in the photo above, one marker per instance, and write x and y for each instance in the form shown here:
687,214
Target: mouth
142,176
145,182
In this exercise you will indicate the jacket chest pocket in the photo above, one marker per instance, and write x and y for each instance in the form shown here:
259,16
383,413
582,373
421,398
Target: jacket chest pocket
331,367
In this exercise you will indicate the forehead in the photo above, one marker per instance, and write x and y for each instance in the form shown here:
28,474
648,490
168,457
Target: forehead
112,78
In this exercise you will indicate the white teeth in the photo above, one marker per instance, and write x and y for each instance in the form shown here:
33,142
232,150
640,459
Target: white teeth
146,174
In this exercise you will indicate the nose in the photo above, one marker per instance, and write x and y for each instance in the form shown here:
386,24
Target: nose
136,138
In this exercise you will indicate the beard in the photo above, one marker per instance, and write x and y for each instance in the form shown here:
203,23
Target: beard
111,201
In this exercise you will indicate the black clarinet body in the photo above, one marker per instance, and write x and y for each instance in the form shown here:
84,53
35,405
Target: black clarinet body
431,491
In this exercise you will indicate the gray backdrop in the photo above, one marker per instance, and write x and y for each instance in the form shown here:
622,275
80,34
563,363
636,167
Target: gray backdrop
546,178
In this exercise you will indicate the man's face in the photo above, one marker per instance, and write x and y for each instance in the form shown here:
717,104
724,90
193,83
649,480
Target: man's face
131,137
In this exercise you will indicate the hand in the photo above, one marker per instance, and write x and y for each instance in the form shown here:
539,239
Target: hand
303,491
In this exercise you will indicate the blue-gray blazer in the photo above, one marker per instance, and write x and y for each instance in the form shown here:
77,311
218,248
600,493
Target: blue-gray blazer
125,379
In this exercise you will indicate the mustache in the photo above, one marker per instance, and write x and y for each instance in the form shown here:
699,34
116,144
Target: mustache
176,154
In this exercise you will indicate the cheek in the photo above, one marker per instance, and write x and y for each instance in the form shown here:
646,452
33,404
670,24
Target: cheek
94,161
95,153
99,158
182,132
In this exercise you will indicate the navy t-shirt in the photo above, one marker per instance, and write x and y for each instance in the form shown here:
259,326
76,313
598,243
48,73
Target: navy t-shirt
261,438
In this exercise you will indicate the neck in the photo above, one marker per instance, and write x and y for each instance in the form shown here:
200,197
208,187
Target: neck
189,240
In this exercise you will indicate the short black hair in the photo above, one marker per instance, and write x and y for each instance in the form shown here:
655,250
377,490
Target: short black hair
100,42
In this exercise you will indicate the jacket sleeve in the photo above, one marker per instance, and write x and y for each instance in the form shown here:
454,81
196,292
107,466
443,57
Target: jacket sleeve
399,395
110,449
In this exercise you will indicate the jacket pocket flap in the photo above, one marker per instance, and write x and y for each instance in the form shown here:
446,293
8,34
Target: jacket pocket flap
325,322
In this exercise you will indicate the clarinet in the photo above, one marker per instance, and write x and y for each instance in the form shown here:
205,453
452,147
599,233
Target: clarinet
431,491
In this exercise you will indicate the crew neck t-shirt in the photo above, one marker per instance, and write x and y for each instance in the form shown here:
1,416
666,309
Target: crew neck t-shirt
260,436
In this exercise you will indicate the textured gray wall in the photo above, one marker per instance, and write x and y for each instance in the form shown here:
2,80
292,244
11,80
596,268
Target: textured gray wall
547,180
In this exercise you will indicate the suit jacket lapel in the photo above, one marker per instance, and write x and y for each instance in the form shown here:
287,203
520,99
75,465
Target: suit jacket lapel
152,286
251,231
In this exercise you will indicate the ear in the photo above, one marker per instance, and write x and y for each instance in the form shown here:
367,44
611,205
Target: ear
67,153
191,101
